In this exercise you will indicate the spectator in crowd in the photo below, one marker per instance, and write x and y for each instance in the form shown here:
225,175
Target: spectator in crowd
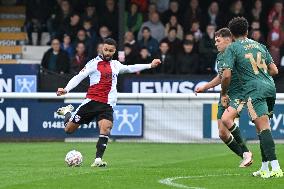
276,13
104,33
90,14
162,5
255,25
195,29
130,55
207,51
72,27
236,10
190,37
174,43
173,10
148,41
157,28
152,8
142,4
55,59
256,35
130,39
257,14
67,46
133,19
213,16
59,19
109,18
83,38
144,58
173,22
37,13
79,60
168,65
90,31
188,61
193,13
275,41
97,51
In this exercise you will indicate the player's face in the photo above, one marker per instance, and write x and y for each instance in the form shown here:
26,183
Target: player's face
221,43
108,51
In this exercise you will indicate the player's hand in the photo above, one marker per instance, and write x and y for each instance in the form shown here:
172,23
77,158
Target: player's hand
61,91
155,63
200,89
225,100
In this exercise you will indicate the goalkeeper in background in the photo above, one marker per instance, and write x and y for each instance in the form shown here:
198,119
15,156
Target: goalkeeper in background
230,133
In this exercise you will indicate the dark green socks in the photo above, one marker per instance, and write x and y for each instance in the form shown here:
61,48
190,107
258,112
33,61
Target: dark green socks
234,146
267,144
235,130
263,157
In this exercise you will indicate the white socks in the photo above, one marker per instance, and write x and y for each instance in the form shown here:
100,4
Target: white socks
264,166
275,165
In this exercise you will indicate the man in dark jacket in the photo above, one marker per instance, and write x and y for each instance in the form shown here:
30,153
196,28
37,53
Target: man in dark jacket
168,64
55,59
208,51
188,62
148,41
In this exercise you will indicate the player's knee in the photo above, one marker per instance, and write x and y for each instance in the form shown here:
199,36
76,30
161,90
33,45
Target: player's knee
226,121
223,134
68,130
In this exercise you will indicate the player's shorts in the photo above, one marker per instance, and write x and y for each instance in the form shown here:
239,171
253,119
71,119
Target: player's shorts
90,110
260,107
235,103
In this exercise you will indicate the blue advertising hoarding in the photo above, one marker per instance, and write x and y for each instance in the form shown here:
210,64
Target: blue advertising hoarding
164,84
210,128
18,77
32,119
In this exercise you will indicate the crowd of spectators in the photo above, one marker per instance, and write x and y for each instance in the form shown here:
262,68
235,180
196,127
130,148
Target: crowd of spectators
179,32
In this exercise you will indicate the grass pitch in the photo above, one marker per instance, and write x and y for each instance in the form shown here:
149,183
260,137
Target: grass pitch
130,166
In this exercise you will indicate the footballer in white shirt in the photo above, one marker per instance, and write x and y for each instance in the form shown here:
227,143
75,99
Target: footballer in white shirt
101,96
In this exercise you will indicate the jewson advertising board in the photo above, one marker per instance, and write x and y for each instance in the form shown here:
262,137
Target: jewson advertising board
164,84
32,119
18,78
210,126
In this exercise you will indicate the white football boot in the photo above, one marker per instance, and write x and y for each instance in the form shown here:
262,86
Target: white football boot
99,163
63,110
247,159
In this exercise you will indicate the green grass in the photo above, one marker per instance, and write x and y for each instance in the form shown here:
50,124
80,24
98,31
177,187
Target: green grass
131,166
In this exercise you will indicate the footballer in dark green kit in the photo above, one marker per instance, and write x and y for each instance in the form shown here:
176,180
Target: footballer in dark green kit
254,65
230,133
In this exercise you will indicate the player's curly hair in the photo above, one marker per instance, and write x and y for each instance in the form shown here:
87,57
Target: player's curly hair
238,26
223,32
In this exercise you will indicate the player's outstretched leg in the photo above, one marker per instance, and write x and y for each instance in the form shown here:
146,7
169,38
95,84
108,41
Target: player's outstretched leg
228,120
70,127
228,139
105,127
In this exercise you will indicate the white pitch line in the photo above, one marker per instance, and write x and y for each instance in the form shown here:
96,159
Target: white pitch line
170,181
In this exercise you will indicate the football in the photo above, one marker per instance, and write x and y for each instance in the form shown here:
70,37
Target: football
74,158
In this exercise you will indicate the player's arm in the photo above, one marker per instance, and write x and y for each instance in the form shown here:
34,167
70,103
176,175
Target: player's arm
74,82
213,83
272,69
138,67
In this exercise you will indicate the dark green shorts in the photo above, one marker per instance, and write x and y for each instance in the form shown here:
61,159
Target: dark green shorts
235,103
260,107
